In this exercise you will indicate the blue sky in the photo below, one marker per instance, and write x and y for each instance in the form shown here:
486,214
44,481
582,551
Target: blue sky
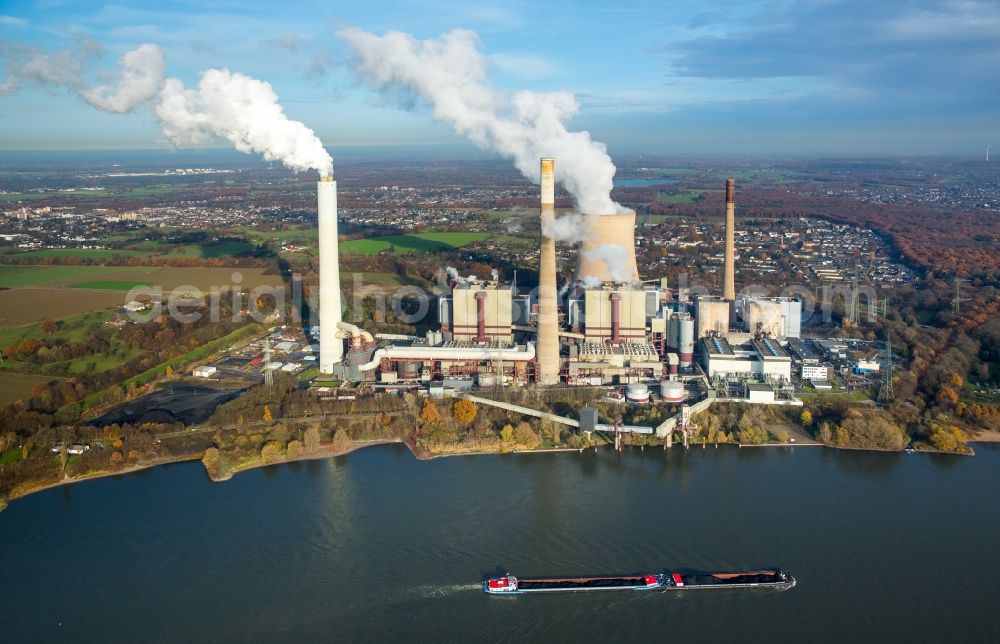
742,77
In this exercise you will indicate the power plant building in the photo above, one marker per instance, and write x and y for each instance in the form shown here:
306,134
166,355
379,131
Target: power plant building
479,312
711,316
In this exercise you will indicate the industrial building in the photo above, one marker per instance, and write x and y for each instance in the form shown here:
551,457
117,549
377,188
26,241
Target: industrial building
605,327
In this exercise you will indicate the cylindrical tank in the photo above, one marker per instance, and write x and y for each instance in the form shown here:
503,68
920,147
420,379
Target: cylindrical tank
686,348
637,392
487,380
673,362
674,333
408,370
672,391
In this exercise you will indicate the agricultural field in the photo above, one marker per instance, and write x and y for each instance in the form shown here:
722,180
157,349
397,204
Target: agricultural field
384,280
17,386
683,197
50,276
418,242
83,253
62,291
22,306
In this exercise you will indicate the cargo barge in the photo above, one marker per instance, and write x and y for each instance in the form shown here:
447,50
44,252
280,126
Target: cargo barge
748,579
511,585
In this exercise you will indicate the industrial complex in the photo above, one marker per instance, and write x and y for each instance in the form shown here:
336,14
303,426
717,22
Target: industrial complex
607,327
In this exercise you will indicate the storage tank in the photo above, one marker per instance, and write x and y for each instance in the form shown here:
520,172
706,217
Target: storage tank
486,380
686,343
637,392
674,333
673,362
408,370
672,391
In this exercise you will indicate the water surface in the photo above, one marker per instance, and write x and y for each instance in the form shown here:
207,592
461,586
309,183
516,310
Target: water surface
377,546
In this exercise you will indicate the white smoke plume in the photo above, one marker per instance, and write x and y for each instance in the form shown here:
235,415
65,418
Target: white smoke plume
243,111
568,228
143,72
450,73
225,105
615,257
495,274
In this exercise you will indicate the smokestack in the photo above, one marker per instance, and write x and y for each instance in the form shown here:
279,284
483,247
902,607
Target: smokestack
331,349
548,320
729,271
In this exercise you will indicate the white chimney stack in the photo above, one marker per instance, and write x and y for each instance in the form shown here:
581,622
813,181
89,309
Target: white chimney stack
331,348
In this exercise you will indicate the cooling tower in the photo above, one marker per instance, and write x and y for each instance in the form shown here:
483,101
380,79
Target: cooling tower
331,349
607,252
729,270
548,315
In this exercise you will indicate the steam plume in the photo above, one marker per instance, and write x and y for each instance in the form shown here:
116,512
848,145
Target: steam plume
449,73
225,105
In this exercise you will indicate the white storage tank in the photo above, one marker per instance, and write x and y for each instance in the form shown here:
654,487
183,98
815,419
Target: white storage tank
686,348
637,392
486,380
672,391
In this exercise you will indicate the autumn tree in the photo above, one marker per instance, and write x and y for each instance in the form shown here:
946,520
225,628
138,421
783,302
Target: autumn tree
294,450
170,371
525,435
310,439
341,441
507,433
806,417
47,325
430,413
266,416
465,411
272,451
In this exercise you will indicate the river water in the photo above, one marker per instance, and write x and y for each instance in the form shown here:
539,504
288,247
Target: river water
377,546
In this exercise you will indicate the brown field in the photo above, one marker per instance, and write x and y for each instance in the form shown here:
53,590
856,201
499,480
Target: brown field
28,305
15,386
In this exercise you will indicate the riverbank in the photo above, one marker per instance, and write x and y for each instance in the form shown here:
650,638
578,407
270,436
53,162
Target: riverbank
331,451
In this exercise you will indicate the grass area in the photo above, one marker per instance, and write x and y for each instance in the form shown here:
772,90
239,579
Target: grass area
386,280
71,329
83,253
102,362
685,197
309,374
159,370
15,276
418,242
16,386
111,285
10,456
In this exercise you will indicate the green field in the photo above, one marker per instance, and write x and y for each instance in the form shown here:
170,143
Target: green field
687,196
83,253
15,276
111,285
419,242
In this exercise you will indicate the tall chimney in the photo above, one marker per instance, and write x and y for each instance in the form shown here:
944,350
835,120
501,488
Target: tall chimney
331,349
729,272
547,349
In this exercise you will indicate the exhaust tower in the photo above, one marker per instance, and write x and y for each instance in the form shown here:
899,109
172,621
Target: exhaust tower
729,271
331,348
548,316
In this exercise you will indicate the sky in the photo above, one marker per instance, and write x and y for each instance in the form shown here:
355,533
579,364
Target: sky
758,77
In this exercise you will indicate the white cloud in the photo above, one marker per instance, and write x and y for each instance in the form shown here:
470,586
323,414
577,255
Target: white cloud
525,65
12,21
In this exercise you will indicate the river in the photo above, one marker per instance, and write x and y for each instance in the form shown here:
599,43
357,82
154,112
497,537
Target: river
377,546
